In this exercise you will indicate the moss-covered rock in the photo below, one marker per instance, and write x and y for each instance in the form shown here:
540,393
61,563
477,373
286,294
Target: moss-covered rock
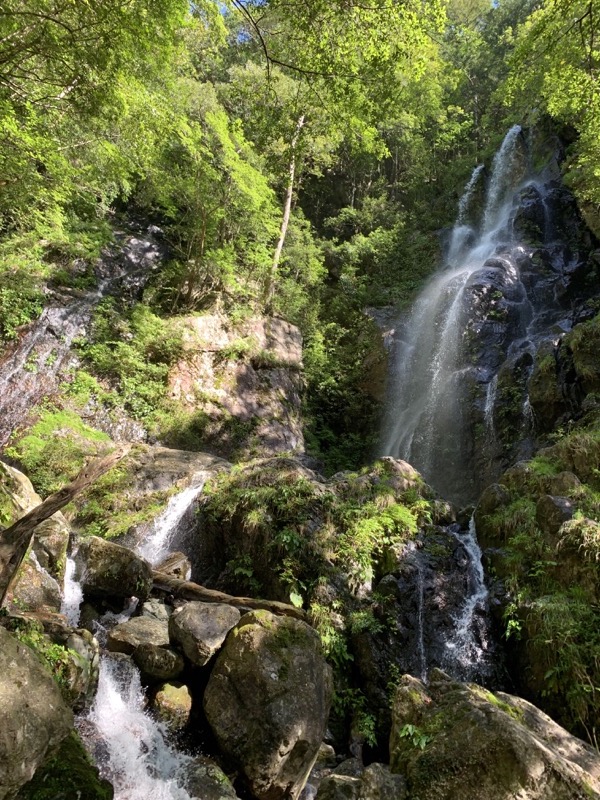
68,774
455,741
110,570
267,702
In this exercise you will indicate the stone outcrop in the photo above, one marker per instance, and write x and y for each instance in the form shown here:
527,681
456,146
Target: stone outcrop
34,718
245,381
157,663
106,569
267,702
455,741
128,636
200,629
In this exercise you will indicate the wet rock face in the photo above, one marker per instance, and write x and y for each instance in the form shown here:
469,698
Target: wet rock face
267,702
34,718
455,741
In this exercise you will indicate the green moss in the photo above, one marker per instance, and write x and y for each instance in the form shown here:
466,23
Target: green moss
67,775
55,448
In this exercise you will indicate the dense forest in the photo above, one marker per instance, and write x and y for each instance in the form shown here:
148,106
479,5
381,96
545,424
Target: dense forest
301,158
215,219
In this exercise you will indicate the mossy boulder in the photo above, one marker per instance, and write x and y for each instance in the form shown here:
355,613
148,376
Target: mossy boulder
267,702
66,775
173,704
34,718
110,570
157,663
455,741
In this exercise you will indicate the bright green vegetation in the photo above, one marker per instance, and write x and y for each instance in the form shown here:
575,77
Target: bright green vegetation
54,657
301,160
55,448
553,581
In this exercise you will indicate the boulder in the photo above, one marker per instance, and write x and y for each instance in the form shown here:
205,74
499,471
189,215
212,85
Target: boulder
67,774
35,589
128,636
200,629
551,512
172,704
492,499
267,702
456,741
158,663
106,569
177,565
207,780
157,609
34,718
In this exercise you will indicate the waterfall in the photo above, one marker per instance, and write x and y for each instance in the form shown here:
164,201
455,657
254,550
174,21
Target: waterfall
130,747
160,539
467,648
134,752
476,314
72,594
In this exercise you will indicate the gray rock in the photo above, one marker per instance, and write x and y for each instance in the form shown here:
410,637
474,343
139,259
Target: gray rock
267,702
158,663
129,635
35,589
378,783
207,780
110,570
339,787
551,512
456,741
200,629
34,718
157,609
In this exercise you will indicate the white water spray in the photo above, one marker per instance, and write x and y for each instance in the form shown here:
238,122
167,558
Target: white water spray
157,544
466,651
136,755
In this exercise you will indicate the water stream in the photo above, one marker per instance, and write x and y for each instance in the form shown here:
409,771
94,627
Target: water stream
131,748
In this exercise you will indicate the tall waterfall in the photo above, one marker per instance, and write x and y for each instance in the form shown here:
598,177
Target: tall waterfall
481,316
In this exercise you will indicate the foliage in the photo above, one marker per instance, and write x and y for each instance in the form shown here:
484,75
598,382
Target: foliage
55,448
132,349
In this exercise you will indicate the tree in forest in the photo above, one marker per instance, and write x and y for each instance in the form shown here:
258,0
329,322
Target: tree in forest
554,70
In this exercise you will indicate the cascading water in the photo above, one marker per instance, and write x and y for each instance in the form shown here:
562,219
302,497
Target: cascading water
130,747
161,538
468,648
34,366
134,753
480,317
459,379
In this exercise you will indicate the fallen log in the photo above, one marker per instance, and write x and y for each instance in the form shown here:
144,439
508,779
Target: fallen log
187,590
16,539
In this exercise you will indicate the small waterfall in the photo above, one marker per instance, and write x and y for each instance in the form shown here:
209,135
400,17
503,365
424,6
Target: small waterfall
72,594
468,647
465,201
160,539
130,747
490,402
133,751
507,172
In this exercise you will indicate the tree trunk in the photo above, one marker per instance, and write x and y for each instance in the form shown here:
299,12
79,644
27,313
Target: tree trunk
15,540
287,208
186,590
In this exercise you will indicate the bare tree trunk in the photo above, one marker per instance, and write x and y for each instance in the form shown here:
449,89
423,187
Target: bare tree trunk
15,540
287,208
186,590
